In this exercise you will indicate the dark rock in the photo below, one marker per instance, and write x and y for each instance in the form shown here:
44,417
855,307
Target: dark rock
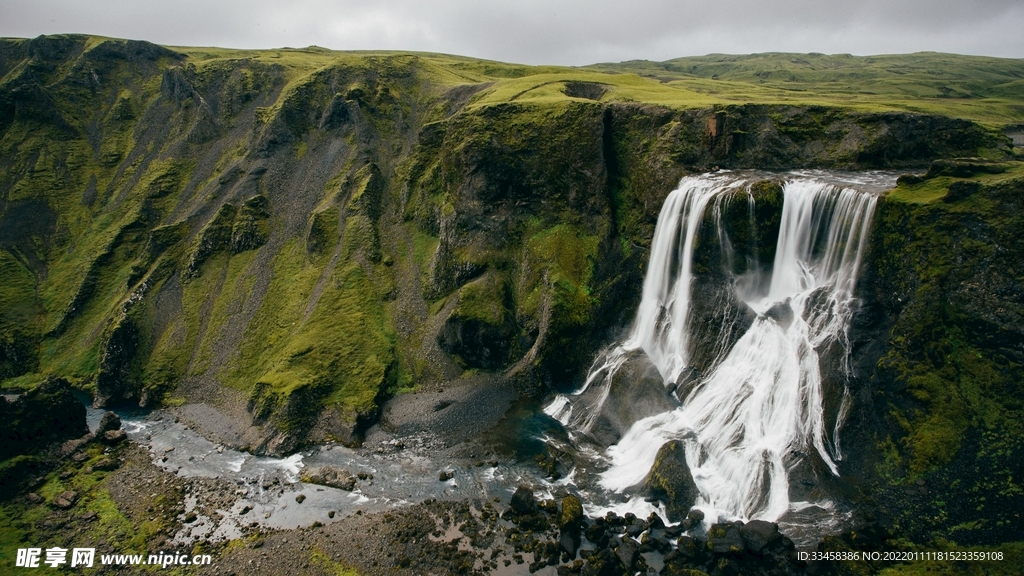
603,563
725,538
670,480
523,501
445,475
636,529
300,498
190,518
569,542
782,313
654,521
109,421
758,533
65,499
627,553
597,534
113,437
689,547
331,513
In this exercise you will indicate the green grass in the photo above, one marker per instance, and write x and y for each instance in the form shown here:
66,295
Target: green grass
977,88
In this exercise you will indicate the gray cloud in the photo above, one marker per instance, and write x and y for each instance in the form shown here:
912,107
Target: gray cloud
570,32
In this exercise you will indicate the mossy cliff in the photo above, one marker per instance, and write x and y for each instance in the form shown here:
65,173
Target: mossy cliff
937,438
294,235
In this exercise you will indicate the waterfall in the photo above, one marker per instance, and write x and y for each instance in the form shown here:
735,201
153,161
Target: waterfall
760,409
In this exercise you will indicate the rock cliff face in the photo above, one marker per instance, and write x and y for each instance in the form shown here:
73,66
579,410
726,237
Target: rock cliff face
938,356
293,236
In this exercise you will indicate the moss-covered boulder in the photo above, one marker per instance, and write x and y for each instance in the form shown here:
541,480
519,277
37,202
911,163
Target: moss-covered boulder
671,482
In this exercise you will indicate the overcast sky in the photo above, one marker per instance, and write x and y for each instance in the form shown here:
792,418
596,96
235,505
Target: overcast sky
572,32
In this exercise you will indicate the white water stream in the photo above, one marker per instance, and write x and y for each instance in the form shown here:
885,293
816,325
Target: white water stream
750,420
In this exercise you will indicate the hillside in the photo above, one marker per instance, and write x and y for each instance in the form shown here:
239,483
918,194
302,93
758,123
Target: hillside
287,239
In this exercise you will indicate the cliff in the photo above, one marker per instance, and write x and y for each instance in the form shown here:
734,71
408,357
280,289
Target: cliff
294,235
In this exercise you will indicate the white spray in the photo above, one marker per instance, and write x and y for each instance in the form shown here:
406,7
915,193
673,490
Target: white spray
747,421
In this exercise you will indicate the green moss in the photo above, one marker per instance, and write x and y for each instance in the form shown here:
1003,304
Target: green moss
337,354
563,258
483,300
323,233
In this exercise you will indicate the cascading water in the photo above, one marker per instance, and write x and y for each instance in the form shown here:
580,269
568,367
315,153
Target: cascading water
759,410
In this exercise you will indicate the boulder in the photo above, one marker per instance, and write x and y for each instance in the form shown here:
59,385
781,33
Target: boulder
758,533
105,464
725,538
627,553
333,477
109,421
113,437
571,515
670,481
523,501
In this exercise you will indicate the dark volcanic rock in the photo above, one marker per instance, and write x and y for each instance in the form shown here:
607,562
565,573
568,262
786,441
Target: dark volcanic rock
725,538
758,533
523,501
109,421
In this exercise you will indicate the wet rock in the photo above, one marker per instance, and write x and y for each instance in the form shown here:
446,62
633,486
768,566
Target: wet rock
109,421
190,518
693,518
597,534
113,437
569,542
603,563
445,475
572,513
333,477
65,499
523,501
300,498
688,547
627,553
782,313
671,482
725,538
758,533
330,513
